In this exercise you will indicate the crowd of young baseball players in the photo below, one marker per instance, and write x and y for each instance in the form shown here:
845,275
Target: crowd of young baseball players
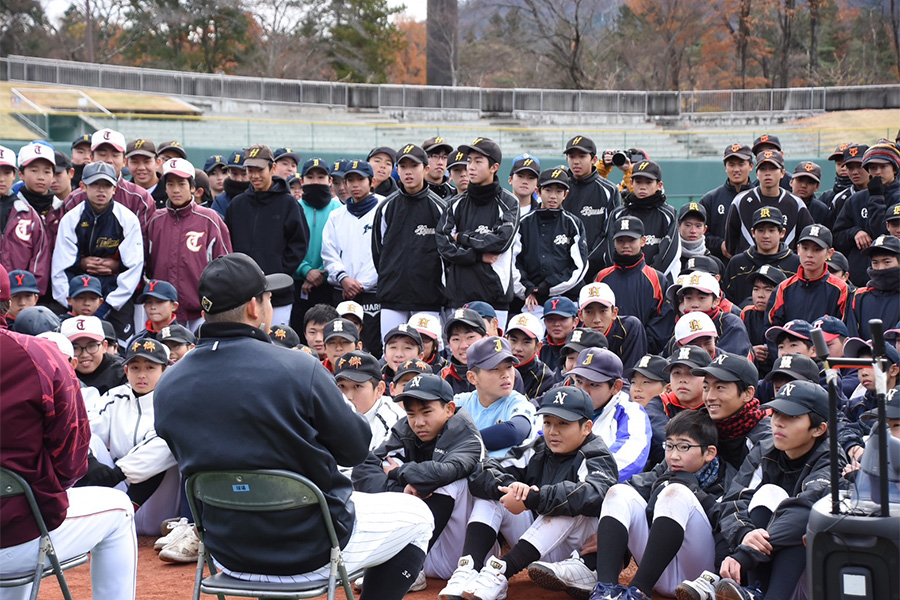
570,375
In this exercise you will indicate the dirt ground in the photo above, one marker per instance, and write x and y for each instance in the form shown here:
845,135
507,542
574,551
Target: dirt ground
160,581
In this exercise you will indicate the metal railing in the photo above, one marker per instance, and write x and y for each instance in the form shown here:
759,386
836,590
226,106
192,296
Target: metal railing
23,69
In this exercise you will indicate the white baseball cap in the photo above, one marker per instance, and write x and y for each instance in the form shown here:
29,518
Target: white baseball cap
7,157
596,292
178,167
349,307
426,324
694,325
702,281
108,136
82,327
35,151
528,323
62,342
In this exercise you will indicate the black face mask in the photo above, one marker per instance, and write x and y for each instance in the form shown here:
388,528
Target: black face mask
76,178
317,195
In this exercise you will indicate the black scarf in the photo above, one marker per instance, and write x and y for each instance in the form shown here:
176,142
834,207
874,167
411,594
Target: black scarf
887,280
626,261
360,208
482,194
42,203
233,188
317,195
841,182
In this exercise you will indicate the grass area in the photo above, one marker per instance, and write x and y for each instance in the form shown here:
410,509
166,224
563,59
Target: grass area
881,122
55,98
13,129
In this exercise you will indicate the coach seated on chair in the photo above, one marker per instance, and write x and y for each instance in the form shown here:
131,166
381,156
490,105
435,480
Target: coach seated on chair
237,401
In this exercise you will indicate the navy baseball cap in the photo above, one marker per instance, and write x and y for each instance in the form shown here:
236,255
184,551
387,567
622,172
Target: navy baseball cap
148,348
798,328
892,403
413,365
692,208
628,227
426,387
81,284
489,352
581,338
339,168
795,366
799,398
837,262
234,279
766,139
21,282
767,214
832,327
315,163
413,152
597,364
773,275
485,310
157,288
567,402
360,167
526,162
466,316
342,328
381,150
35,320
176,333
650,366
560,305
730,367
582,143
284,335
405,330
286,153
216,160
295,178
854,347
86,139
693,357
236,160
358,366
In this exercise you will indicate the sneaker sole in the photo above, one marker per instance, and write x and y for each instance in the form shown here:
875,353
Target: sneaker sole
727,591
178,560
683,592
546,579
473,596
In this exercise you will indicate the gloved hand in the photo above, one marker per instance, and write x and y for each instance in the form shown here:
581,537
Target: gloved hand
101,475
876,186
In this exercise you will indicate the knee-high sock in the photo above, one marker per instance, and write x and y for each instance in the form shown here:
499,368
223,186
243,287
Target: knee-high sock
441,507
665,538
613,538
479,539
391,580
521,555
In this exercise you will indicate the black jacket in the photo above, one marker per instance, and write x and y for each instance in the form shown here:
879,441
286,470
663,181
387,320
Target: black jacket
732,336
738,283
862,212
717,202
818,211
270,227
404,251
443,190
880,299
740,218
537,377
553,255
386,187
592,199
663,248
107,376
573,484
426,466
627,339
287,415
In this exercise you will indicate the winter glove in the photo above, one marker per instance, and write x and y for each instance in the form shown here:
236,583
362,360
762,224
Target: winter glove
876,187
101,475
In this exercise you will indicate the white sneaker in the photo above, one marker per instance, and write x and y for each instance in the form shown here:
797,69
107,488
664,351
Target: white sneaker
464,574
183,550
420,583
702,588
176,530
570,575
357,584
490,584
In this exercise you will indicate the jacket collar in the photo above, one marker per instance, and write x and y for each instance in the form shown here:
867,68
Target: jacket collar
210,331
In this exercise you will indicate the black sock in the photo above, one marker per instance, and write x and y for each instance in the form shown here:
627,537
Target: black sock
141,492
479,540
787,566
760,517
391,580
441,507
613,538
665,539
590,560
521,555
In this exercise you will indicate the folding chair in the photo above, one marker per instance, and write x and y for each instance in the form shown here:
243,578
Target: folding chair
260,491
12,484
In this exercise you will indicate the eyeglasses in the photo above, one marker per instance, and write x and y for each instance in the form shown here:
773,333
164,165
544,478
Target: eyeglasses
680,447
90,348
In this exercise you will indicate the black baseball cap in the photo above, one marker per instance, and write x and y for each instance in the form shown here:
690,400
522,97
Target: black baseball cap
795,366
413,152
582,143
628,227
413,365
650,366
707,264
286,153
436,144
174,146
770,156
82,139
854,153
892,213
767,214
799,398
342,328
557,175
797,328
458,158
157,288
598,365
807,168
216,160
693,357
730,367
773,275
648,169
838,153
883,243
382,150
581,338
62,162
315,163
176,333
567,402
485,146
741,151
838,262
426,387
109,332
526,162
358,366
234,279
406,330
819,234
140,147
766,139
466,316
284,335
692,208
152,350
489,352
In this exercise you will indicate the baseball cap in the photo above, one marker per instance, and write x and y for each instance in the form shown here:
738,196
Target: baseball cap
98,171
892,403
809,169
797,328
838,153
109,332
799,398
486,147
741,151
216,160
567,402
856,346
838,262
528,324
360,167
7,157
341,328
560,305
236,160
435,144
358,366
21,282
648,169
773,275
349,307
413,365
650,366
699,280
148,348
582,143
893,212
482,308
526,162
556,175
314,163
596,292
157,288
140,147
61,161
819,234
173,146
108,136
61,341
832,327
35,320
286,153
82,139
883,243
426,324
295,178
458,158
234,279
413,152
770,156
284,335
628,227
36,151
693,325
467,317
178,167
407,330
426,387
82,327
730,367
381,150
767,214
692,208
259,156
176,333
581,338
766,139
340,167
707,264
489,352
598,365
693,357
795,366
855,153
81,284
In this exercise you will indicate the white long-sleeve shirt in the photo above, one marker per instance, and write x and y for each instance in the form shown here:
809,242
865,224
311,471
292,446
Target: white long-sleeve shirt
347,248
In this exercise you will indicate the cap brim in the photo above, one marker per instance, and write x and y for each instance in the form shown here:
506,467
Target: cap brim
148,356
88,335
632,234
562,413
629,373
529,168
146,153
524,330
717,372
686,363
84,290
278,281
341,334
580,148
769,161
788,407
805,174
854,346
288,155
311,169
59,168
355,376
356,171
258,163
772,334
420,395
592,375
699,334
23,290
561,313
177,339
590,301
414,158
768,220
737,155
96,178
145,295
437,147
818,242
789,372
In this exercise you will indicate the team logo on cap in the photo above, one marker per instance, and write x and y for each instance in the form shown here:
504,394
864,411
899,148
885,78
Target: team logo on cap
786,389
408,149
106,134
768,154
765,213
576,336
166,332
20,279
338,326
423,322
764,270
23,229
695,280
498,346
644,362
577,140
438,140
625,225
853,151
643,165
560,398
556,173
522,320
843,147
356,362
479,140
720,360
527,162
206,303
415,381
814,230
897,210
280,333
253,152
735,147
150,345
135,346
879,241
459,157
786,362
809,166
693,206
763,138
691,263
403,327
138,144
684,353
588,359
460,313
